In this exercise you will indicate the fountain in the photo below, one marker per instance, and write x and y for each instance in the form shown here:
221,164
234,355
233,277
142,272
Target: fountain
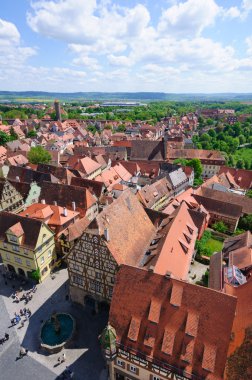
57,332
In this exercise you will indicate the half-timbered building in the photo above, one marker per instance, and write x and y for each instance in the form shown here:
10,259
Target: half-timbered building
120,234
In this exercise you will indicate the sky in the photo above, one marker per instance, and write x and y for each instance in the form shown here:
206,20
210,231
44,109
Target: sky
173,46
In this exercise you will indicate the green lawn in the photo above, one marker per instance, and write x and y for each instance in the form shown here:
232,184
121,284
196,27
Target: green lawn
214,245
244,154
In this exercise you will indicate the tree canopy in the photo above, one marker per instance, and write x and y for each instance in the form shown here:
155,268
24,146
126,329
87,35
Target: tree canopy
38,155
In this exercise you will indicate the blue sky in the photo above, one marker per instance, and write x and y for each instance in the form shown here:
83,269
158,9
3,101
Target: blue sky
125,45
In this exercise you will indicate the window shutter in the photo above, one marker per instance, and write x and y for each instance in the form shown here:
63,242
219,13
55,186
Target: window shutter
151,377
137,371
123,365
128,367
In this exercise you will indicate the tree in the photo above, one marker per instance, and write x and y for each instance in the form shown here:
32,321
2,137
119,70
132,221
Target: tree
181,161
249,193
39,155
13,135
32,133
197,166
245,223
240,164
220,227
4,138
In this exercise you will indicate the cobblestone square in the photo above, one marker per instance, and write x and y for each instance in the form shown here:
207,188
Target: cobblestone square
83,356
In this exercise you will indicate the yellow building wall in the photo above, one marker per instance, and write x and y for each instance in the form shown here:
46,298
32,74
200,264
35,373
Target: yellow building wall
28,259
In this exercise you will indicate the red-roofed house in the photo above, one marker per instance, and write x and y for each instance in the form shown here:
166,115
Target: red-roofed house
167,329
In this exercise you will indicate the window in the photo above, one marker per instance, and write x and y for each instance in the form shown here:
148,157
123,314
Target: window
49,253
97,275
119,362
42,260
77,280
92,285
13,238
18,260
15,248
7,256
97,286
156,378
28,263
25,250
44,271
133,369
110,291
5,245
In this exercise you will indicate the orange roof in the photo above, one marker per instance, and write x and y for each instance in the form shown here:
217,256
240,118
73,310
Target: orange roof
178,245
129,228
17,229
54,215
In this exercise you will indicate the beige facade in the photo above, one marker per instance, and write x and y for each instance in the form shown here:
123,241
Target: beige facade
92,270
210,170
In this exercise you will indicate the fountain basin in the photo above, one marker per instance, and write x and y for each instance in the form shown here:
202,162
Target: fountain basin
54,339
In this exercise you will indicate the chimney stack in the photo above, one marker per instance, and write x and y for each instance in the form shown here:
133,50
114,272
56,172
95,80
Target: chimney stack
55,203
73,206
43,201
17,178
64,211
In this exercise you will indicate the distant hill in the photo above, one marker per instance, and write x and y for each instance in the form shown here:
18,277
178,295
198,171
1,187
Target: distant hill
31,96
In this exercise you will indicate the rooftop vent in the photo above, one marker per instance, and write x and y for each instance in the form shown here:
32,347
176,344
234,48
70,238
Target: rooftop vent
106,234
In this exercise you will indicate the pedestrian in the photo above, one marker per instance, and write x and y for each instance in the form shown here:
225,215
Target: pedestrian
22,324
6,336
63,358
59,361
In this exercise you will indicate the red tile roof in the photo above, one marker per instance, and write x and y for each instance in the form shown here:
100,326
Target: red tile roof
203,312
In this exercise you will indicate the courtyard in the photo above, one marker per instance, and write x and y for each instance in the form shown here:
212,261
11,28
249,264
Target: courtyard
83,356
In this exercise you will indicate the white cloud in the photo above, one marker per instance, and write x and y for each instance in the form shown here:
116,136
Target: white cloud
8,33
249,45
189,18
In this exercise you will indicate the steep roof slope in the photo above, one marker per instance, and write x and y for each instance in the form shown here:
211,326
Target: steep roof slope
179,324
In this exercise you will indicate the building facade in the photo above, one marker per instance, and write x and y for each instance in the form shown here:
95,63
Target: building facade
26,246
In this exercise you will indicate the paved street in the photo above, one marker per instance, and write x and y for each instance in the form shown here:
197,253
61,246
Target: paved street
83,357
197,270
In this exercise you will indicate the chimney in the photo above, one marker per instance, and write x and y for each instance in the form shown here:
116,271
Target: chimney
64,211
17,178
73,206
55,203
43,201
151,269
106,234
168,275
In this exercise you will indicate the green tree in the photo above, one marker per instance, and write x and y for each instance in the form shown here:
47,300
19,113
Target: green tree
245,223
13,135
180,161
249,193
4,138
32,133
38,155
197,166
220,227
240,164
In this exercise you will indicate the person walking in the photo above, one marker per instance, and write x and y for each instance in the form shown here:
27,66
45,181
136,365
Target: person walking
6,336
63,358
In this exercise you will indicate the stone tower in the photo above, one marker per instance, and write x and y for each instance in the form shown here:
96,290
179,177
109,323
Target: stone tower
57,110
